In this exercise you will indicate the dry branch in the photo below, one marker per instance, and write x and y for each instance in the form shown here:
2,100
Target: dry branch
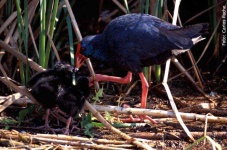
108,126
159,113
8,21
164,82
17,88
177,135
9,100
204,108
2,2
10,142
20,56
62,139
120,6
75,138
76,143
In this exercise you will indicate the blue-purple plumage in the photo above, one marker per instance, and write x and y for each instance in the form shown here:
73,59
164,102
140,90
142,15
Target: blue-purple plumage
134,41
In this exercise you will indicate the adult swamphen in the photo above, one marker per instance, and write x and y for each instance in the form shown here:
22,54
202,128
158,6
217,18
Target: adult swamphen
71,99
45,86
134,41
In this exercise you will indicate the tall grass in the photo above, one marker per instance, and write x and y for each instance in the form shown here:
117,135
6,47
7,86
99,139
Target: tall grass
71,44
40,26
23,37
42,35
51,27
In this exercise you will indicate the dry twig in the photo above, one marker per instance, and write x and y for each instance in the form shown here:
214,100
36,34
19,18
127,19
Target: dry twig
158,113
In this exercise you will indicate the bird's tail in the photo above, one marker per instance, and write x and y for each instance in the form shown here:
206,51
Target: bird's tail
193,31
197,39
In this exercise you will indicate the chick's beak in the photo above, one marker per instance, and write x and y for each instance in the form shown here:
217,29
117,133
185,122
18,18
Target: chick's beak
73,69
79,60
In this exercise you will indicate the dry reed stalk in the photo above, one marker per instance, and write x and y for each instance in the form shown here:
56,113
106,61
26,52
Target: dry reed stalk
158,113
8,21
108,126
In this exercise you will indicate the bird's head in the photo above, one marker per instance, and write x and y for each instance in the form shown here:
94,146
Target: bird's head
85,49
64,67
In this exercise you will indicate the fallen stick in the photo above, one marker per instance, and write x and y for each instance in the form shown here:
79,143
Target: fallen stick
204,108
16,88
10,142
62,139
158,113
108,126
177,135
76,138
9,100
76,143
155,113
151,112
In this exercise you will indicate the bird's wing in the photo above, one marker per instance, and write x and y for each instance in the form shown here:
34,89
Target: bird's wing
142,40
38,76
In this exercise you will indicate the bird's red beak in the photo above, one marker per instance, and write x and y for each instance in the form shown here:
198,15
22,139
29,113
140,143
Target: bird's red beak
79,60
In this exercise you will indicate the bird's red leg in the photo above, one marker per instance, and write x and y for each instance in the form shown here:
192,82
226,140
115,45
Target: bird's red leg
100,77
145,87
125,80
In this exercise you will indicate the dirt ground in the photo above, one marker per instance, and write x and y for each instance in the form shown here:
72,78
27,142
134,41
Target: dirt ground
167,134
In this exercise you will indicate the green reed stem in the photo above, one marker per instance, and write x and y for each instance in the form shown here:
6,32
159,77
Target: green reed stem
51,30
42,36
126,6
20,31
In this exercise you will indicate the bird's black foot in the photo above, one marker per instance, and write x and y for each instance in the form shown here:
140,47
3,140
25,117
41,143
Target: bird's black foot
69,121
47,127
65,131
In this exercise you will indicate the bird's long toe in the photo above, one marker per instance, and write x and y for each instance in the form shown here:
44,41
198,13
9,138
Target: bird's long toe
144,117
47,127
65,131
140,118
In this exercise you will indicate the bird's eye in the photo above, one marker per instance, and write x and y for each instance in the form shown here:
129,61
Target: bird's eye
82,48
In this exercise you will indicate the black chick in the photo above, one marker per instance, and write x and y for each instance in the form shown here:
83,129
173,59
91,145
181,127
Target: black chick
45,86
71,100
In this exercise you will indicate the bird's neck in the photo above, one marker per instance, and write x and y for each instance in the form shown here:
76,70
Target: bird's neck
101,51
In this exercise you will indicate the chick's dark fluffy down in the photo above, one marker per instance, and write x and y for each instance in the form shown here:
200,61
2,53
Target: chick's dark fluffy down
71,100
